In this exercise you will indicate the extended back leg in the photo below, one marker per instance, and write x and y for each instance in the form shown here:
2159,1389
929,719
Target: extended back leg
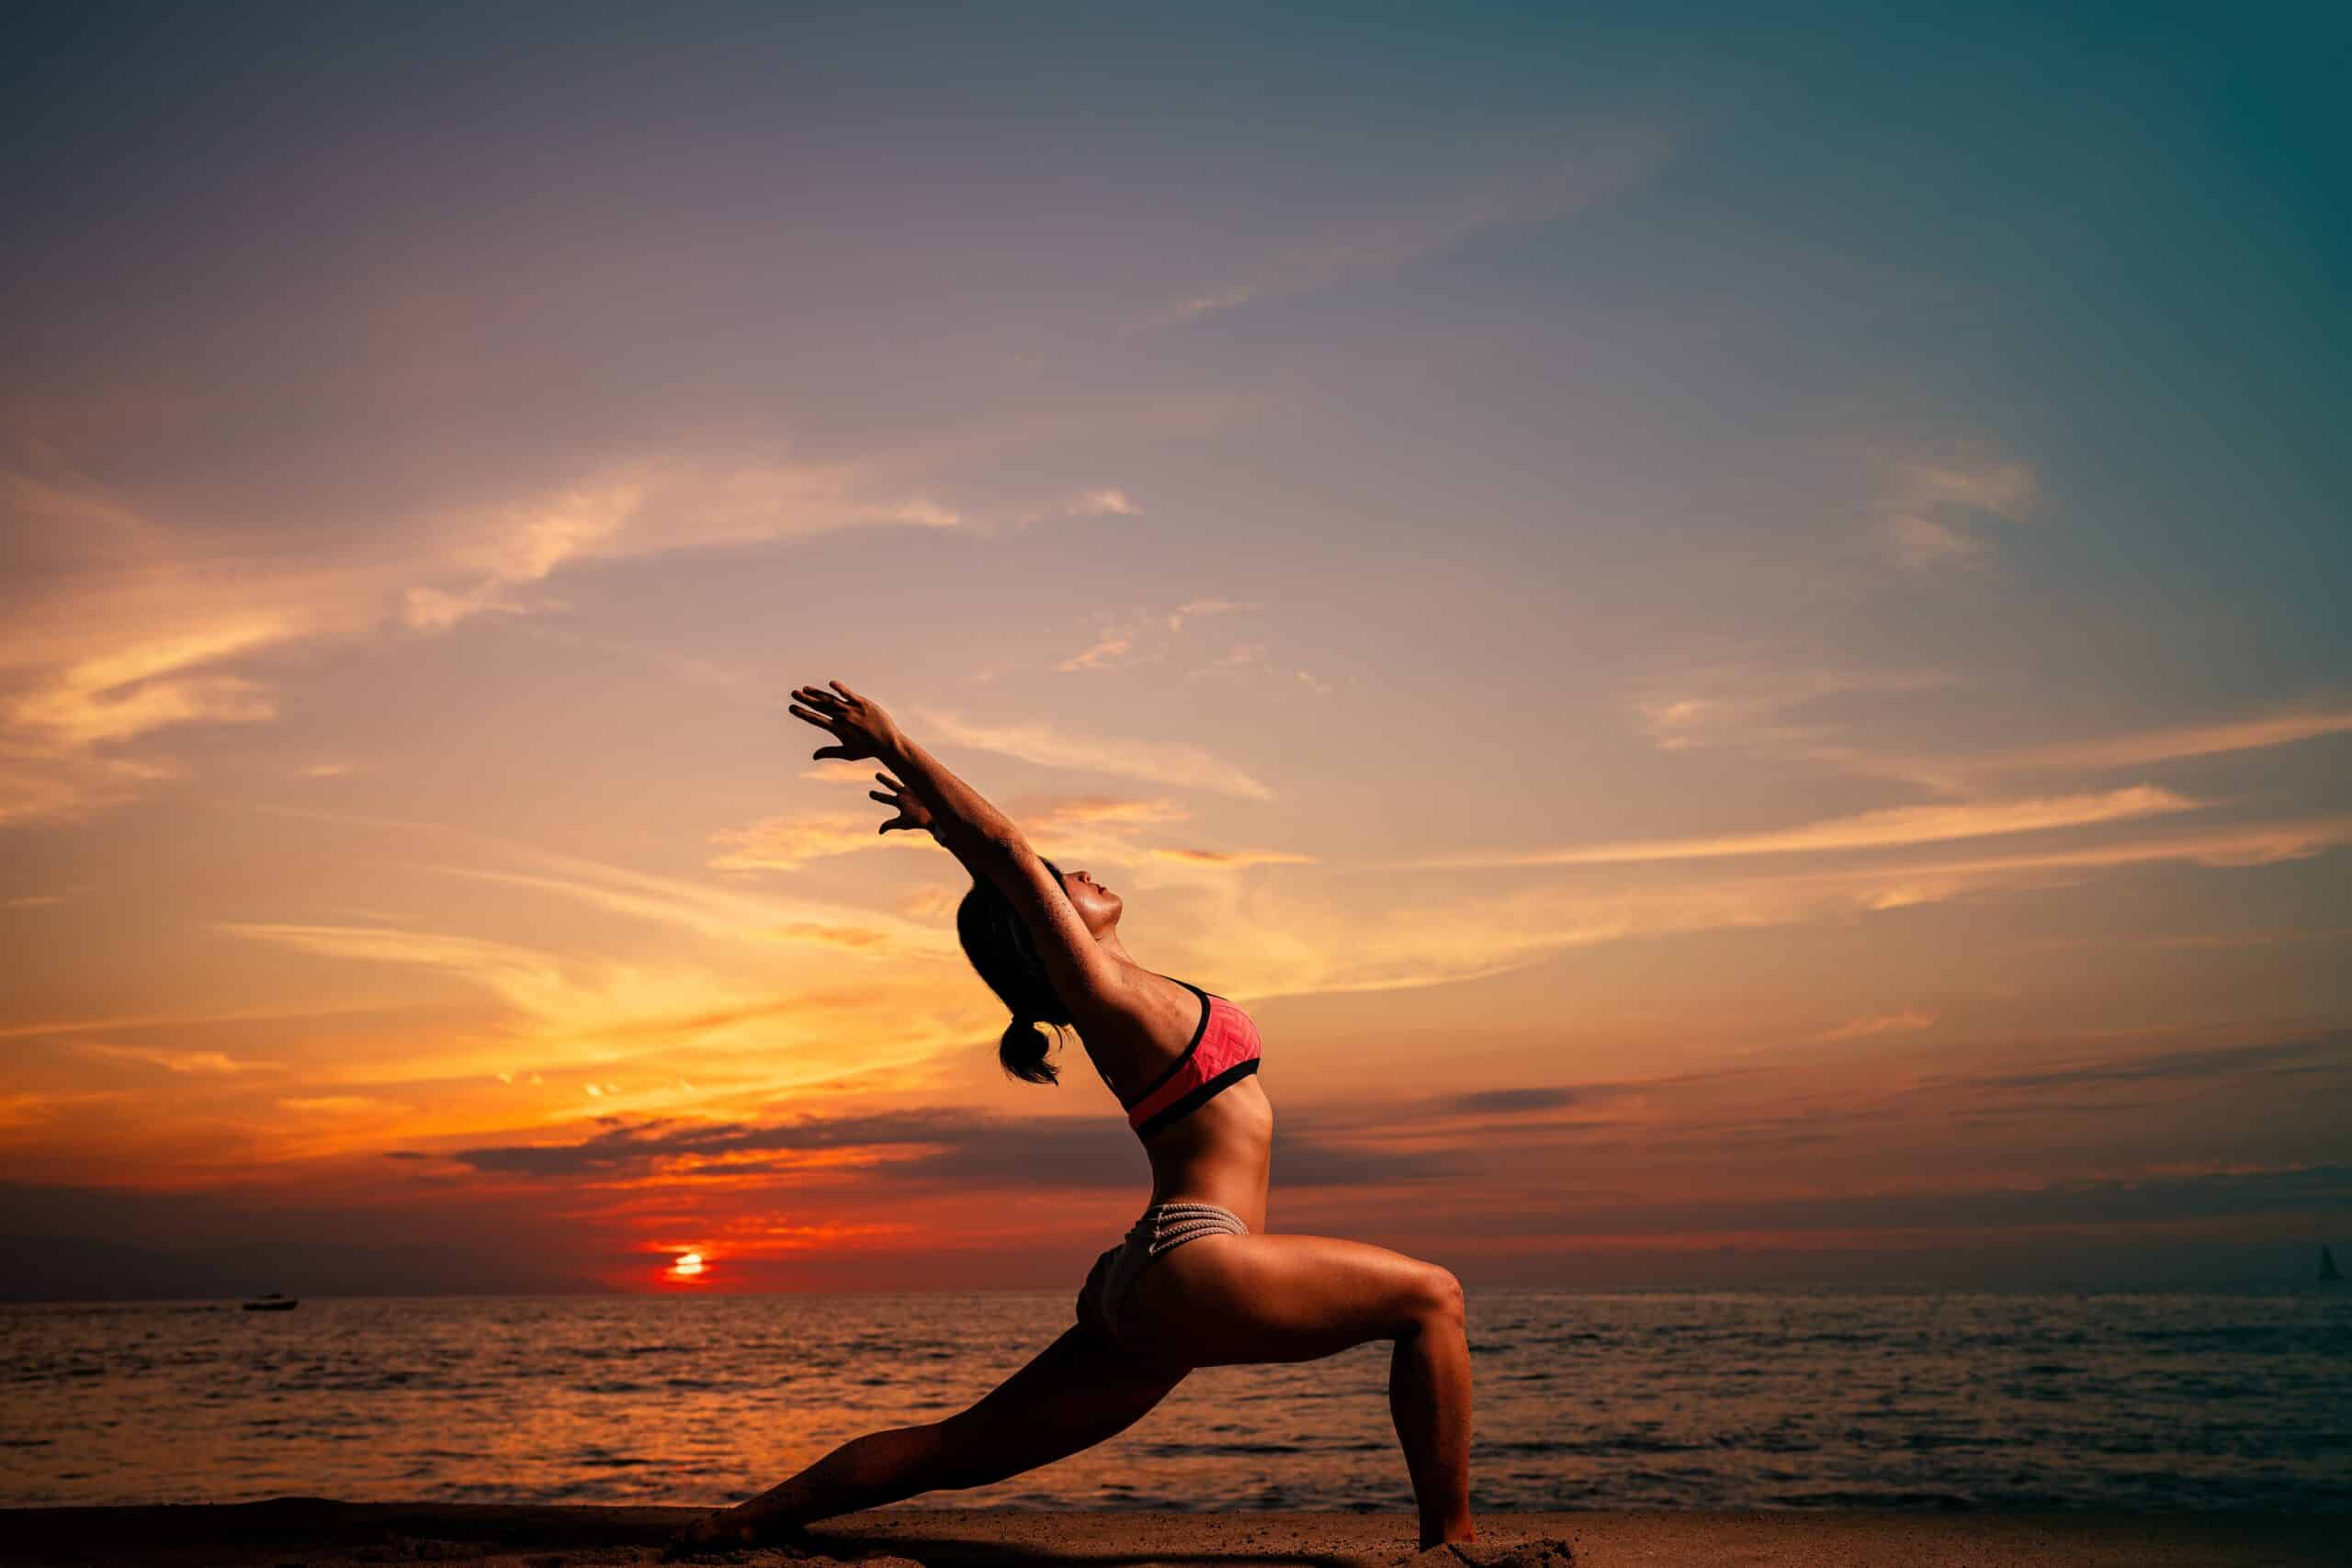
1073,1394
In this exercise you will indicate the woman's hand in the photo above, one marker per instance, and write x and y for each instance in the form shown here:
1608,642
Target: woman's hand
912,813
861,727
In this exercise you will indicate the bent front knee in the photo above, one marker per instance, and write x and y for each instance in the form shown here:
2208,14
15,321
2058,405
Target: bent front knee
1437,1300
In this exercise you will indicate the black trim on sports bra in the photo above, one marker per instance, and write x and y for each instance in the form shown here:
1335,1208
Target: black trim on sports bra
1197,1098
1199,1030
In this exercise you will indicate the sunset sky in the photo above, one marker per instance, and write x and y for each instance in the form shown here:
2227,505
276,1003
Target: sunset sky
1733,635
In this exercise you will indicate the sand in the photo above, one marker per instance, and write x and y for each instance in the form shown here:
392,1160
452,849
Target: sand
287,1532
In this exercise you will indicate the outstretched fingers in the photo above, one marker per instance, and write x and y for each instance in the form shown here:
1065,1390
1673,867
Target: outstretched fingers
862,729
839,696
830,720
824,721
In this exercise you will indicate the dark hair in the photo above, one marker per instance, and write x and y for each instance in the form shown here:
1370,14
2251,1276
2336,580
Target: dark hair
999,943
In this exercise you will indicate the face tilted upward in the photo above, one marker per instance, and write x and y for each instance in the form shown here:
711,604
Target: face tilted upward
1096,905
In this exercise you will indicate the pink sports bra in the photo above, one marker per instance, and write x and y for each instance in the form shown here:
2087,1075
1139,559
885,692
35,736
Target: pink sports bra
1223,1051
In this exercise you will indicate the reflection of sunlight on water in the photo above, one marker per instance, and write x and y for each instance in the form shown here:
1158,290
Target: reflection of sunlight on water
1662,1399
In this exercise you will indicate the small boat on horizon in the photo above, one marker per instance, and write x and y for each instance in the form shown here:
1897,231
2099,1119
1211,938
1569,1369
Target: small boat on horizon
2327,1273
271,1301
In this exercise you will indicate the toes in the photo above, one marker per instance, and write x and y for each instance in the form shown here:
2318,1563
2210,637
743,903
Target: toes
706,1538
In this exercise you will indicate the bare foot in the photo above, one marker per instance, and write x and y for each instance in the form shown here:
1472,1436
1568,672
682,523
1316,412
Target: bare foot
728,1531
705,1537
1550,1551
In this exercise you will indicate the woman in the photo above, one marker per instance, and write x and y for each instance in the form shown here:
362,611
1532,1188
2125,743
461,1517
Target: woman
1197,1282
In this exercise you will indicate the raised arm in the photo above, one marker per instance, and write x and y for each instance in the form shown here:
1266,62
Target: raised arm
986,841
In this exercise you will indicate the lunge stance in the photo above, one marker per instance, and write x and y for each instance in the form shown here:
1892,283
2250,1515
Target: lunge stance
1197,1282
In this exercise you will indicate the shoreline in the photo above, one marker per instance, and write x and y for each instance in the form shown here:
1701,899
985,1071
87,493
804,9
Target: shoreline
326,1533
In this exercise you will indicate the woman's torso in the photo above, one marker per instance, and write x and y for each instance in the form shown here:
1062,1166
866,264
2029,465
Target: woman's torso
1218,1152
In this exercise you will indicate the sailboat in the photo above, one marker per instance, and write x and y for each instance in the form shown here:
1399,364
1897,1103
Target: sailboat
273,1302
2327,1274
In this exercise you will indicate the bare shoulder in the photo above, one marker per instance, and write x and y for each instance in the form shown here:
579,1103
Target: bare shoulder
1141,1019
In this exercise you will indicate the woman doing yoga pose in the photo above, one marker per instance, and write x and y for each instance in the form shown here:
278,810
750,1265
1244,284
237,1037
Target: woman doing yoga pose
1197,1282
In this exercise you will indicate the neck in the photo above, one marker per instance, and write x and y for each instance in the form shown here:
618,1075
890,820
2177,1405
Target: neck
1109,942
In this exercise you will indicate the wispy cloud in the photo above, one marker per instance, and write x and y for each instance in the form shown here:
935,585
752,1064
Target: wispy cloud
80,691
1927,506
584,1014
657,506
727,914
2174,742
1197,609
923,1146
1117,638
568,1009
1511,1102
1285,941
1240,656
2331,1049
1888,826
1070,828
2225,938
2003,488
1539,179
1233,859
713,913
127,1023
849,939
1105,651
1078,824
1107,501
128,690
1959,773
1069,811
1172,764
336,1104
158,636
148,646
519,974
1760,704
1904,1022
201,1061
1789,709
789,843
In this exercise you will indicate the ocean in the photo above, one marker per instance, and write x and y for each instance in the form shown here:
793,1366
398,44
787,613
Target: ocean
1668,1399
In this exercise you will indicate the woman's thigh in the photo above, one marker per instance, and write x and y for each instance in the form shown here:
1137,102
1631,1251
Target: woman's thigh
1231,1299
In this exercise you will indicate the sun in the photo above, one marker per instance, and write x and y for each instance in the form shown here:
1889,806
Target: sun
689,1265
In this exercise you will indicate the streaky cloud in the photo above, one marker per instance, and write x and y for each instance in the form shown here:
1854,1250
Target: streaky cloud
1169,762
1891,826
1556,174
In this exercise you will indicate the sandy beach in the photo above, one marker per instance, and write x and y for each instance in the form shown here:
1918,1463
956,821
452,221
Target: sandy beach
320,1533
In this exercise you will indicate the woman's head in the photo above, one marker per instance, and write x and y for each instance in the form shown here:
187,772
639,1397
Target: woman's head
998,941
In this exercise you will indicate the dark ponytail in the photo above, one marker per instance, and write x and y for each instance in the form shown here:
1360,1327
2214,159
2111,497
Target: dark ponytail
998,941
